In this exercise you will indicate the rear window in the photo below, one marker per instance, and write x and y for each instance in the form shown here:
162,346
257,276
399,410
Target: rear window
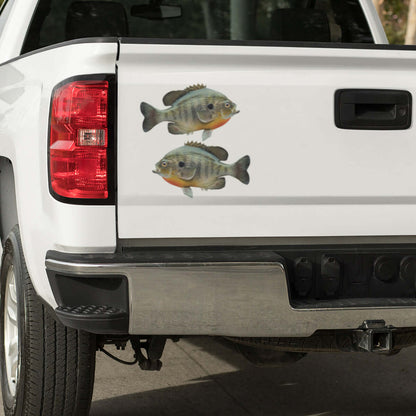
226,20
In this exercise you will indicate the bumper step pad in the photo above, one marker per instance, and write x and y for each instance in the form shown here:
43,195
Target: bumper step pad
100,319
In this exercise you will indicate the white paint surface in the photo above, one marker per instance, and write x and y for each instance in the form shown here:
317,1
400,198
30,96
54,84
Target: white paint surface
308,178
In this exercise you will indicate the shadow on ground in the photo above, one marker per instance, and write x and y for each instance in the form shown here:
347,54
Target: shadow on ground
320,384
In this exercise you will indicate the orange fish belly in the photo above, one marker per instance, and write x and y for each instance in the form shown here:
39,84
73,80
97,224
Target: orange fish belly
216,123
178,182
202,126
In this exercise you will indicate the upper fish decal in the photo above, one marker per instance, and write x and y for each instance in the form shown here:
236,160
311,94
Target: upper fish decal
192,109
197,165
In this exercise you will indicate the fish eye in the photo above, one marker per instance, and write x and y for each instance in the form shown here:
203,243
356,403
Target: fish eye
164,164
227,105
181,164
210,106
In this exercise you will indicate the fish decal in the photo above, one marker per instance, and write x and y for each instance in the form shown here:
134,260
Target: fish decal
192,109
200,166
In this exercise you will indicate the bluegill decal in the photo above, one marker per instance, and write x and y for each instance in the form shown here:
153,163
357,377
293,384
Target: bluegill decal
192,109
200,166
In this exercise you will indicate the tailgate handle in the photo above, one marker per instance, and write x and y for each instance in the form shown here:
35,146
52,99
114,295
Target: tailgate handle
373,109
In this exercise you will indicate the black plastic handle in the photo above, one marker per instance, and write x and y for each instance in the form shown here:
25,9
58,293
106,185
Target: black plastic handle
373,109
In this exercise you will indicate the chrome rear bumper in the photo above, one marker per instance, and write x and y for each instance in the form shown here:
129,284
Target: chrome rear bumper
241,299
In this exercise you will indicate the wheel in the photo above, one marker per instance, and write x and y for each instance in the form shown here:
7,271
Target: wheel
46,368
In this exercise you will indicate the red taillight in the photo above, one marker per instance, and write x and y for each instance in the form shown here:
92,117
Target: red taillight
79,140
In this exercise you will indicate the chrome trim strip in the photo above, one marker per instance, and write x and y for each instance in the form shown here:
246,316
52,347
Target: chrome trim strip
117,268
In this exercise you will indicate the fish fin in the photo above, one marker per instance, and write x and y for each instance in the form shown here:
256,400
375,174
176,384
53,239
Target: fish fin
240,170
195,87
205,116
174,129
151,116
217,151
187,173
218,184
171,97
188,192
206,134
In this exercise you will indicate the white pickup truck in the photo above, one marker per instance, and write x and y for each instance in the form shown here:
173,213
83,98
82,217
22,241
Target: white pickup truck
235,168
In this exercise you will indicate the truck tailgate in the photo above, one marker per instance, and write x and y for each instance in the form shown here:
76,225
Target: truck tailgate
307,177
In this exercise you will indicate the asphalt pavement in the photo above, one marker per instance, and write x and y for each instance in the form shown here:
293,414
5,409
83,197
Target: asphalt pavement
202,377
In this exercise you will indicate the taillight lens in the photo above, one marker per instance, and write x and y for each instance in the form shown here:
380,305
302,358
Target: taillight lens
79,140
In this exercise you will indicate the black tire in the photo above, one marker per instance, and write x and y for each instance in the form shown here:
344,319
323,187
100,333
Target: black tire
55,376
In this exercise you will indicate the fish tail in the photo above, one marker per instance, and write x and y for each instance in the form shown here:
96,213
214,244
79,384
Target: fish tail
151,116
240,170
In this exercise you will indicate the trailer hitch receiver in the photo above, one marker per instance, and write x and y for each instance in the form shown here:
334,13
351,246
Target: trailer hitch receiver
374,336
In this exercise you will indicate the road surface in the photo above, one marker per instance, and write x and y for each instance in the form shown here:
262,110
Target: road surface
202,377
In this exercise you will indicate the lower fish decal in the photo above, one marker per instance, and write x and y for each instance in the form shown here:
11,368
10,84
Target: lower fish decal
192,109
195,165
